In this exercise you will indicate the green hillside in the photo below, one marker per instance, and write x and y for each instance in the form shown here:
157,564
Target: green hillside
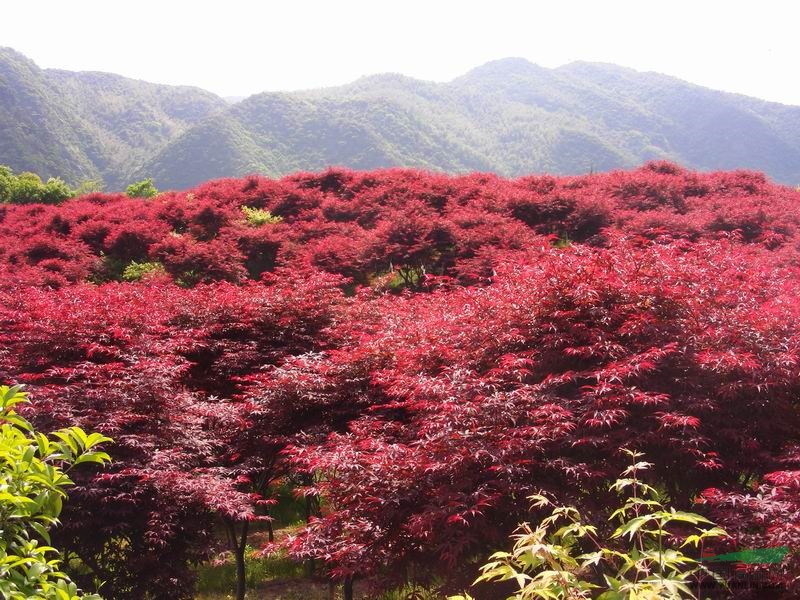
508,116
132,119
39,131
89,125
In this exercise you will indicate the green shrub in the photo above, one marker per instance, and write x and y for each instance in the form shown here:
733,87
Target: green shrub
28,188
6,184
142,189
637,561
33,479
136,271
56,191
88,186
256,217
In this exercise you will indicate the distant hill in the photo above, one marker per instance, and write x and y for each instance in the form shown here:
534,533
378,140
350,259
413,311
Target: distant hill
39,130
89,125
508,116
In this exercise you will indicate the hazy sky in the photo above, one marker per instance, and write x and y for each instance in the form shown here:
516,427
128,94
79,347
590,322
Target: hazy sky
238,47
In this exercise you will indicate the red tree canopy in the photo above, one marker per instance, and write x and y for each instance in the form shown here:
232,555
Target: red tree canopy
426,350
363,224
481,396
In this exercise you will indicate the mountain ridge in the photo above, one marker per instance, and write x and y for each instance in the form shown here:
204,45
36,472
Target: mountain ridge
119,120
509,116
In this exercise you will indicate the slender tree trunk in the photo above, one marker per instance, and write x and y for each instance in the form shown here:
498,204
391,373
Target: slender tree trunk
311,567
238,545
270,532
307,511
310,509
347,588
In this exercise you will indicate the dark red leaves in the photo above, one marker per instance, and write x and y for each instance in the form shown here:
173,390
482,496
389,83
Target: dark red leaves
424,351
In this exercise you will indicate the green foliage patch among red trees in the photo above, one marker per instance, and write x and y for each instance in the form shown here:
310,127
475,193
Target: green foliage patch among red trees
543,324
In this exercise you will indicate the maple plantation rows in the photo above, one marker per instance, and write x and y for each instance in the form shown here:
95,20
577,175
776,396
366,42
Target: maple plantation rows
414,353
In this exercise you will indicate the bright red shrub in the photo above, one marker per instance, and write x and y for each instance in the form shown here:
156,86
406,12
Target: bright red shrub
190,261
481,396
150,362
132,240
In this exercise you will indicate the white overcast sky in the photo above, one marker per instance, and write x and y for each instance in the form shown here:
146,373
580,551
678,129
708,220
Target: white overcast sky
239,47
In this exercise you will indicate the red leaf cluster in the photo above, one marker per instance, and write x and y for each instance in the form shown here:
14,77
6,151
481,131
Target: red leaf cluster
766,516
482,396
149,365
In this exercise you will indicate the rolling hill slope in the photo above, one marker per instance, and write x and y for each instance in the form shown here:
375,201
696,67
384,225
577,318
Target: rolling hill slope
509,116
88,125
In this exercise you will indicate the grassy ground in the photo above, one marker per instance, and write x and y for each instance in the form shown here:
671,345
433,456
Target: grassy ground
270,577
282,590
276,577
305,589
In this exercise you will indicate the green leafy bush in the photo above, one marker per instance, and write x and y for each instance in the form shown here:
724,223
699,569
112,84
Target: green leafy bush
137,271
142,189
639,561
6,184
33,479
28,188
256,217
89,186
55,191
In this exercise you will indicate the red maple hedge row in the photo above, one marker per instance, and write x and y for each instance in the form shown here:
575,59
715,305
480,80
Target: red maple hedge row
363,224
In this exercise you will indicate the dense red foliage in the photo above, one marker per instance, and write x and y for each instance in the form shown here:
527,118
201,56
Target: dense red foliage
360,224
481,396
546,322
767,516
150,364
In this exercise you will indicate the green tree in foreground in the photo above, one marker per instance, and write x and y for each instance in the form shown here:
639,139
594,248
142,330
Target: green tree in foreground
142,189
34,471
545,562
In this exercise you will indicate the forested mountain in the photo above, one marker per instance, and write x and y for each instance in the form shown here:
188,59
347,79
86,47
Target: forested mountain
131,119
39,131
89,125
508,116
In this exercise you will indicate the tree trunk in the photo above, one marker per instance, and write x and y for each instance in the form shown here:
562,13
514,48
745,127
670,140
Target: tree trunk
311,567
311,509
238,545
270,532
307,509
347,588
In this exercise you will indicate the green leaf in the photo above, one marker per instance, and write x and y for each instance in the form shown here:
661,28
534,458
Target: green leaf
92,457
631,527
